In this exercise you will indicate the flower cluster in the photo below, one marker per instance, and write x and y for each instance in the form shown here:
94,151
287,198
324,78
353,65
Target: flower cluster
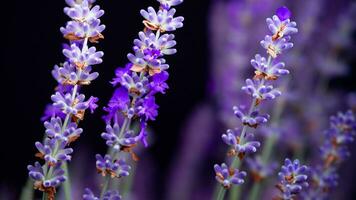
292,179
227,176
133,101
260,88
69,106
334,151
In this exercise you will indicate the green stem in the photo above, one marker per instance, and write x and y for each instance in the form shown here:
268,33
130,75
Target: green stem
255,191
27,191
126,187
44,196
67,183
107,180
221,194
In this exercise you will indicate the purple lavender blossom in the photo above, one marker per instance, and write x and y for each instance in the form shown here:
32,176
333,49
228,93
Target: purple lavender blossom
252,120
114,168
85,23
227,176
292,179
43,183
275,48
52,111
69,105
148,108
158,83
137,84
166,4
260,91
163,20
240,148
283,13
269,72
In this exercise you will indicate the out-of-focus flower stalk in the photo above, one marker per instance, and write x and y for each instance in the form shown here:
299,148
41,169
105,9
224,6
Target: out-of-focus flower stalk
260,88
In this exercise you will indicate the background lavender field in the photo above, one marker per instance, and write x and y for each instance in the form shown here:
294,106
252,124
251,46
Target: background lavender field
214,49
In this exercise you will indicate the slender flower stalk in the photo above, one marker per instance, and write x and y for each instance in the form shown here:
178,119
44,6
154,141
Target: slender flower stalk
260,88
133,102
69,106
334,151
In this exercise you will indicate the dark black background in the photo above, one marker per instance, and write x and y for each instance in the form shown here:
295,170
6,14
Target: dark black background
33,45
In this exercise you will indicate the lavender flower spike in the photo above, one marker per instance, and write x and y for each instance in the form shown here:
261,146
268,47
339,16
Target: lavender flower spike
260,88
292,179
69,105
136,87
334,151
227,176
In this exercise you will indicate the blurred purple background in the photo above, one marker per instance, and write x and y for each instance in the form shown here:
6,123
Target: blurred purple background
213,60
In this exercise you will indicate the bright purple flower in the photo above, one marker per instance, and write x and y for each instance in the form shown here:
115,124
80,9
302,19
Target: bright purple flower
92,103
113,140
167,4
119,100
142,136
240,148
283,13
135,84
163,20
83,11
162,45
119,74
83,58
67,105
228,177
158,83
54,130
269,71
142,61
292,179
113,168
37,174
67,75
85,21
281,28
51,153
148,109
259,90
52,111
252,120
275,48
